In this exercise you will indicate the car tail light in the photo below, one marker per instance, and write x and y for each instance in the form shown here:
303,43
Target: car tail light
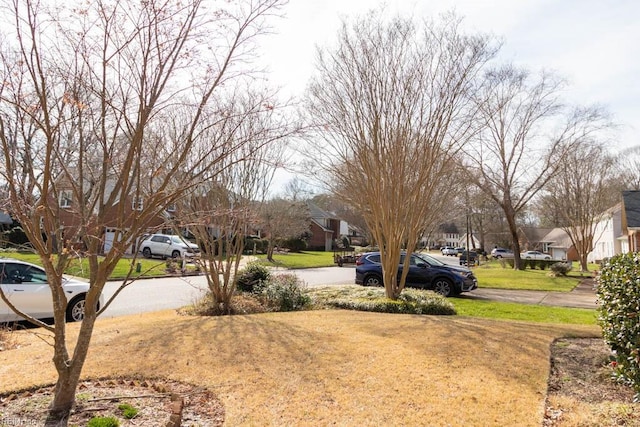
359,260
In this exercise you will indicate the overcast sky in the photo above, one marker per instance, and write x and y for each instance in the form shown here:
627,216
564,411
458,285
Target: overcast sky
594,44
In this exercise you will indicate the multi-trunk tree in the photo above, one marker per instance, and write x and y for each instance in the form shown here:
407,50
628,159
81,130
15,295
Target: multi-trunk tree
390,103
105,105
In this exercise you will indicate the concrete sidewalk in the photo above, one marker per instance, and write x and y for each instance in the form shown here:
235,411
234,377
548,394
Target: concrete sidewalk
583,296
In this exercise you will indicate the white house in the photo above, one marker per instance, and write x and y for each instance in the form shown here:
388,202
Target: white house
609,238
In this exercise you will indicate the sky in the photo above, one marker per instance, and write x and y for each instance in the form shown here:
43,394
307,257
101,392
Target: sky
593,44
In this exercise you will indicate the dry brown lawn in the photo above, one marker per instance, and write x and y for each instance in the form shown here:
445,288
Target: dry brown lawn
326,367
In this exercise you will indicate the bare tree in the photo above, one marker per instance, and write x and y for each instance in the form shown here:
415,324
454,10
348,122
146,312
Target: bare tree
222,213
629,165
583,189
525,135
390,105
105,105
282,219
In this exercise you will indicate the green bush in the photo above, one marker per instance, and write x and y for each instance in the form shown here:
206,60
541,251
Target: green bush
252,278
128,411
561,268
103,422
285,293
619,307
294,245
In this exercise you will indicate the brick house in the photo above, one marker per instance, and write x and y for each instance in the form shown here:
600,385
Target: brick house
325,228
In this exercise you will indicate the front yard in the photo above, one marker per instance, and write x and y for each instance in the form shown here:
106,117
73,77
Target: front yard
326,367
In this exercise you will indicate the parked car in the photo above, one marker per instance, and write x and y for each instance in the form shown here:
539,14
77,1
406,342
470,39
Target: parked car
501,253
448,250
473,257
534,255
26,287
165,246
460,250
425,272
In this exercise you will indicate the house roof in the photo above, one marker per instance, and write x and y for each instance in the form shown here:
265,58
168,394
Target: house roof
558,238
631,202
317,213
322,227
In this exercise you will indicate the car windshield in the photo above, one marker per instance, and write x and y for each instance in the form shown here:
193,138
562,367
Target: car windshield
176,239
429,259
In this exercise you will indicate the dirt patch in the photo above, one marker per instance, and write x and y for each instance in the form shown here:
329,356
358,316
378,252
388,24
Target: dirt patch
582,390
157,402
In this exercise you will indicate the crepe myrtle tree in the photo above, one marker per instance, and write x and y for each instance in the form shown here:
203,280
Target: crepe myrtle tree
222,213
108,106
525,134
390,105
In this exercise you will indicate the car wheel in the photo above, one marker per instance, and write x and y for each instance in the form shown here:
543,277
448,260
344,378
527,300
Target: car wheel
498,256
176,254
373,280
444,287
75,309
146,252
547,258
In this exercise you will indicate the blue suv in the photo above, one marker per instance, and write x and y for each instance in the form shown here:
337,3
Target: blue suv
425,272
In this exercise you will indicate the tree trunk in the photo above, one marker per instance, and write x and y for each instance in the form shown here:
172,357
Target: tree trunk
513,229
584,263
69,369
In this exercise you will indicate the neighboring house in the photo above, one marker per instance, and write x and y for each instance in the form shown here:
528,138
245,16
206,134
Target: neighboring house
631,218
609,238
474,243
325,227
531,239
557,243
70,220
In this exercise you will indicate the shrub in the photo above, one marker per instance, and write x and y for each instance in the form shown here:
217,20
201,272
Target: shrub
411,301
619,304
103,422
284,292
294,245
560,268
252,278
128,411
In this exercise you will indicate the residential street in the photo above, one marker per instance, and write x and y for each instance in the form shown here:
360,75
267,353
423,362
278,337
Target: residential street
173,292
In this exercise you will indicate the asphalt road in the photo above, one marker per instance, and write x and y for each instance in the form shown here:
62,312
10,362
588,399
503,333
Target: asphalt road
170,293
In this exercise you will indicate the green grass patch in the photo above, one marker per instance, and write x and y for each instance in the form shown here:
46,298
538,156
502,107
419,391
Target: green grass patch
355,297
524,312
80,267
306,259
493,275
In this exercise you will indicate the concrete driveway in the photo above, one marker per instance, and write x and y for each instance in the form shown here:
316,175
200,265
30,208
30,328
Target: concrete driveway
583,296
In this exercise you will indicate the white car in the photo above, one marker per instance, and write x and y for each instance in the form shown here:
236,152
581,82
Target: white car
449,251
535,255
25,285
166,245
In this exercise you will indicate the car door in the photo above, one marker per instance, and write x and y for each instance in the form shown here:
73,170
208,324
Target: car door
420,273
160,245
26,287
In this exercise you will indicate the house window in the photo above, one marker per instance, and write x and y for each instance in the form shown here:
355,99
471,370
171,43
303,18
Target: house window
66,197
137,204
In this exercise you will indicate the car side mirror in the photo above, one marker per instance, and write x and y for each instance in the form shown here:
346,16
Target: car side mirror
421,265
